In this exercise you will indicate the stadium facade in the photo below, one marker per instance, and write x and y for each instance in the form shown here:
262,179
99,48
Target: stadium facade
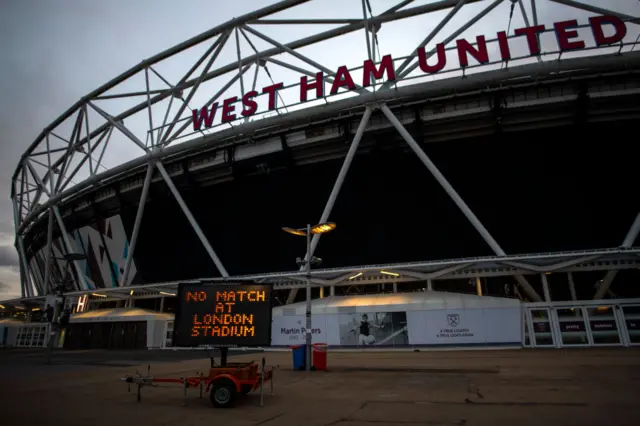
472,165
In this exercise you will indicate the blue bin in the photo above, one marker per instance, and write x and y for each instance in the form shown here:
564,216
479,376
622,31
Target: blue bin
299,357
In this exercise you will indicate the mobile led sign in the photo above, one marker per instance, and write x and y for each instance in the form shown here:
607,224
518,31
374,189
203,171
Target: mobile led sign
228,315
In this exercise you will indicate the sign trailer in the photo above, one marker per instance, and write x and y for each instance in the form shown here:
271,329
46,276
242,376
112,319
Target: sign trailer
220,316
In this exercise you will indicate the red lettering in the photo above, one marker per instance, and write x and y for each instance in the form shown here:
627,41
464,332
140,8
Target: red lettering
503,43
369,69
564,34
273,95
196,296
204,115
596,27
228,108
251,106
343,78
532,37
195,320
481,54
432,69
306,86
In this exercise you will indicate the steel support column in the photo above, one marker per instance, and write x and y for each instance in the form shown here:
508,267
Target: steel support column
28,286
478,286
336,188
67,243
610,275
572,286
454,195
191,219
545,287
308,326
47,257
23,272
429,285
138,222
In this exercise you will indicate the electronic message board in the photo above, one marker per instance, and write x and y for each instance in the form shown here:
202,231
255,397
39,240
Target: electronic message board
223,315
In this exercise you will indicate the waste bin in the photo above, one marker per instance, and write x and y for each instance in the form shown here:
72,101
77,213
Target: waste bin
319,358
299,358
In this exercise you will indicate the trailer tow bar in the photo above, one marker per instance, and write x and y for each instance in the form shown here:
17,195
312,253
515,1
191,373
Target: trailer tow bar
139,380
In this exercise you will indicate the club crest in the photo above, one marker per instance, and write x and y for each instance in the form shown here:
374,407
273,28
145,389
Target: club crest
453,319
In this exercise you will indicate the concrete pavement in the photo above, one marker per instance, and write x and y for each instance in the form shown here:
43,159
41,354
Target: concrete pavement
524,387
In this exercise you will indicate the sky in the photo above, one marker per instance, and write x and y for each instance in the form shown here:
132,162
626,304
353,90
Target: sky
55,52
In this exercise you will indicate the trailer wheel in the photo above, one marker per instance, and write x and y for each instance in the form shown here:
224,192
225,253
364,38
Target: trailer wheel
223,394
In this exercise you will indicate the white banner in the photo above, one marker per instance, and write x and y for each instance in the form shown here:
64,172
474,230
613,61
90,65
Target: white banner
465,326
434,327
290,330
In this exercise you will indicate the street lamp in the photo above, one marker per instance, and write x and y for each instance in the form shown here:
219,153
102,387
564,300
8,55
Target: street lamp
320,228
58,291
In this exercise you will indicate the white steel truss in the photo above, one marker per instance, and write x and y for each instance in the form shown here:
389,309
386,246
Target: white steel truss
70,156
428,271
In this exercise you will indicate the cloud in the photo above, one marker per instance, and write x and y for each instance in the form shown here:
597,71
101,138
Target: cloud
9,282
8,256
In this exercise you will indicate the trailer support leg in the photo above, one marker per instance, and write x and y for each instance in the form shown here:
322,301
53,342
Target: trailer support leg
223,356
184,384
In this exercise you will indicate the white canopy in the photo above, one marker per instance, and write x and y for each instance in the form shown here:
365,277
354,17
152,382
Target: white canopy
419,301
119,315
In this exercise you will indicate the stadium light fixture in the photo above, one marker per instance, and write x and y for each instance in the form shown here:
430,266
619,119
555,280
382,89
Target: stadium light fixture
320,228
355,276
323,228
299,232
393,274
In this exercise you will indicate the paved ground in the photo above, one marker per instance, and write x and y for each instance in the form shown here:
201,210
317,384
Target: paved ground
516,387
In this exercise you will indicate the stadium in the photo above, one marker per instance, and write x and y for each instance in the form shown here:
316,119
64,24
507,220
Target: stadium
493,160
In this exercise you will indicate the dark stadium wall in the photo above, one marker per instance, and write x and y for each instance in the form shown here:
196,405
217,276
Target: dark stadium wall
538,191
535,191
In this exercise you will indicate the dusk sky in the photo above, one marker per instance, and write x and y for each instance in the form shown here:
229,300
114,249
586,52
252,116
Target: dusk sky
55,52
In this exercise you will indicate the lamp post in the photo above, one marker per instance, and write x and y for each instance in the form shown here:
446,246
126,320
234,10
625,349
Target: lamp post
58,290
320,228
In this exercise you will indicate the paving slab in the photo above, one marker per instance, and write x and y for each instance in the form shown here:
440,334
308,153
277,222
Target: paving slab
523,387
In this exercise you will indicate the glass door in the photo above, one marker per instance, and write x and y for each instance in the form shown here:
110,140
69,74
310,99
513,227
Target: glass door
572,326
604,325
541,330
526,329
631,315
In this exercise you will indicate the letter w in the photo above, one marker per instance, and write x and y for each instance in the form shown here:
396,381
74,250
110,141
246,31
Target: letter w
204,115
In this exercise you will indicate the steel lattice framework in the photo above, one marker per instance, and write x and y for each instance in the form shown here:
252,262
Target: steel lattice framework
149,111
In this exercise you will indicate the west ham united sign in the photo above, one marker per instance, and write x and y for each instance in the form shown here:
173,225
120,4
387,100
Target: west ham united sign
223,315
606,30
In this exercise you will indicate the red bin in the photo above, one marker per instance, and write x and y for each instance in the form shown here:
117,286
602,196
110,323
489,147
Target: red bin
319,356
